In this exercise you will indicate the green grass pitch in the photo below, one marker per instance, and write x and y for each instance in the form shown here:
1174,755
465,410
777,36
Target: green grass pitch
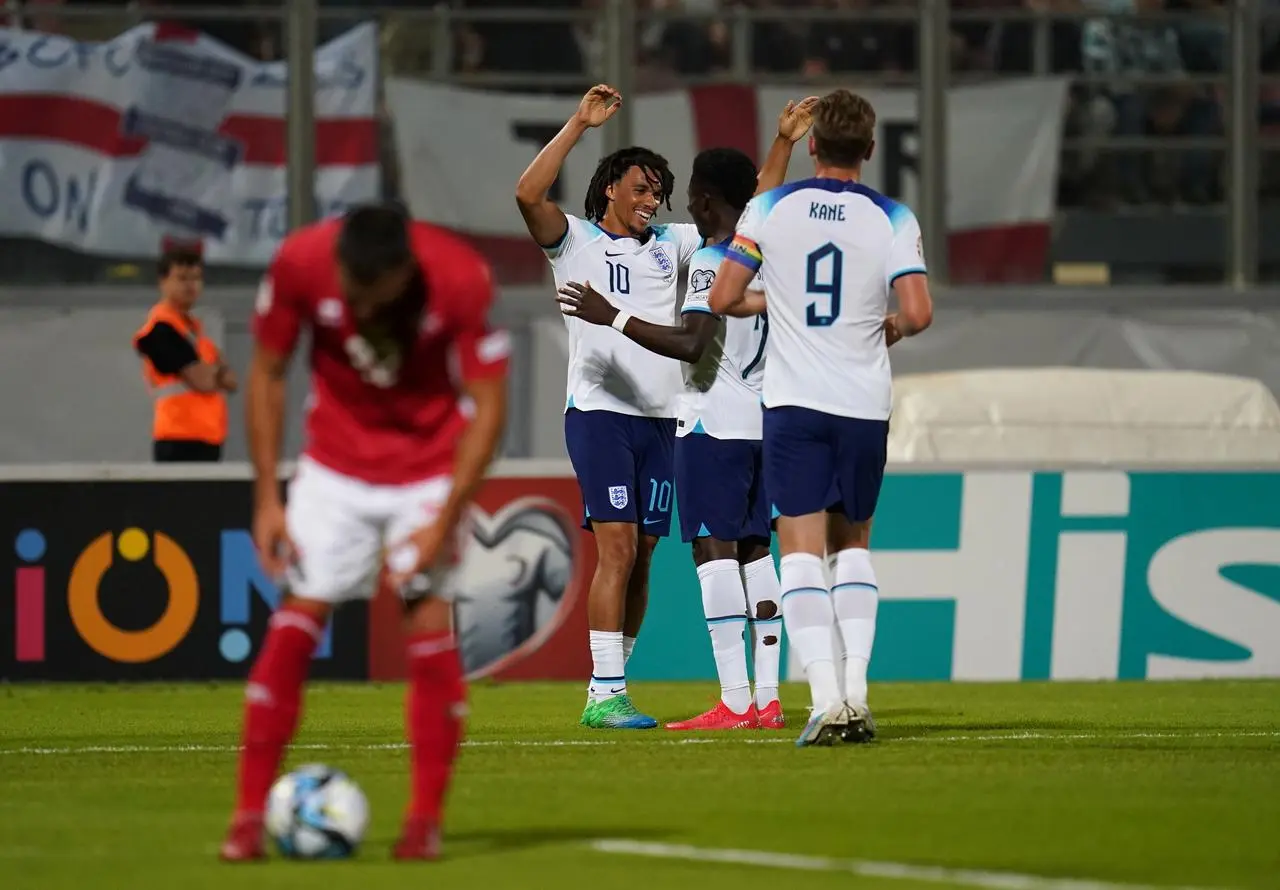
1167,784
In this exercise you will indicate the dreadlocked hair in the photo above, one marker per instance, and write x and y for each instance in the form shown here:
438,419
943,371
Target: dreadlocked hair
615,166
727,173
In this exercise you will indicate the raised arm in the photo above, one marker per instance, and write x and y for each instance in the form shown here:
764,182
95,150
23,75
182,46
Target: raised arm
793,124
546,222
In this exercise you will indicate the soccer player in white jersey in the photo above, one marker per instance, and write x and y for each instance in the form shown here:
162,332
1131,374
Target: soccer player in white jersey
619,423
831,250
724,510
620,405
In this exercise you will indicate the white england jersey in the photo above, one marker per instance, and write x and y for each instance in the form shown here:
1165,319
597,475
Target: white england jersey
607,371
830,251
721,395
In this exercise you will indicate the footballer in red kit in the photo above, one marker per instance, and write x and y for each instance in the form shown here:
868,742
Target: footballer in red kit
407,405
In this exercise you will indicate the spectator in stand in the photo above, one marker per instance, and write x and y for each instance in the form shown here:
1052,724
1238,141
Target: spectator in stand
690,46
1204,39
1269,168
520,47
777,45
975,43
859,44
38,15
1010,46
1270,36
1122,49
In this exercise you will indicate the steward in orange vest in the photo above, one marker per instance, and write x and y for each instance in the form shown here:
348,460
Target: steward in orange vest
183,368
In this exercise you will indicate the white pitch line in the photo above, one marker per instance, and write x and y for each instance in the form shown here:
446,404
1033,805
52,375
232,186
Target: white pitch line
637,738
989,880
1093,736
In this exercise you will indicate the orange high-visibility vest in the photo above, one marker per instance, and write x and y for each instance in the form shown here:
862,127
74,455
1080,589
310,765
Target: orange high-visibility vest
182,413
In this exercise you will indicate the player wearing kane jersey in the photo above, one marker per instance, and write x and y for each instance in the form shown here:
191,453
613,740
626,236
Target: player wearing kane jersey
831,251
724,512
397,312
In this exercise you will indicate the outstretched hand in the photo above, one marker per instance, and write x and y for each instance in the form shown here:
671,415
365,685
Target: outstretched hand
796,118
599,104
585,302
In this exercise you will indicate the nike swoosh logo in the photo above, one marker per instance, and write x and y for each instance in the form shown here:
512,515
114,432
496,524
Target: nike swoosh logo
620,253
652,521
618,690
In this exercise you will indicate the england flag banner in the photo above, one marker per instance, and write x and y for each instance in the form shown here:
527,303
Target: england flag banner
1004,142
109,148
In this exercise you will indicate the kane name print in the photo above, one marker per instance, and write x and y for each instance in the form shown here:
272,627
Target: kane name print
826,212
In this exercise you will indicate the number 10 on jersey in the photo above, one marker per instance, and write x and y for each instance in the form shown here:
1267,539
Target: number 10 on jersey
619,278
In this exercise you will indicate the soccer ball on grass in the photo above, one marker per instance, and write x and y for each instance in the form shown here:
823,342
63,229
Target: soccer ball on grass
317,812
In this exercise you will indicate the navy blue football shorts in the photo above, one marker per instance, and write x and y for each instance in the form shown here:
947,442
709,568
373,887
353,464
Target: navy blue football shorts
624,467
720,488
816,462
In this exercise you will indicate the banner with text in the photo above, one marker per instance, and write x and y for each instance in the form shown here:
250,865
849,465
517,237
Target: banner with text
1000,575
460,152
108,148
125,580
984,575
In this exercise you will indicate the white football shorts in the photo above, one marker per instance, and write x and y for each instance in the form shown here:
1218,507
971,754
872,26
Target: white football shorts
345,530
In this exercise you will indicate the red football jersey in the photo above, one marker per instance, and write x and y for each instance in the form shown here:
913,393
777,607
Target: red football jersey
384,421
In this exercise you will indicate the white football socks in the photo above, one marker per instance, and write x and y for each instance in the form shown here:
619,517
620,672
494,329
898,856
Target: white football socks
806,610
608,666
764,614
628,646
856,599
724,603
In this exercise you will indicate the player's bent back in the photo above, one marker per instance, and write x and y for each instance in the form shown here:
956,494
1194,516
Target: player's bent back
380,411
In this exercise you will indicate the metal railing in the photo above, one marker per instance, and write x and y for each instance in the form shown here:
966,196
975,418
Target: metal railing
617,24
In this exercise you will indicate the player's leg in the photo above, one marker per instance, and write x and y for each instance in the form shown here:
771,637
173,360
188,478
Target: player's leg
435,694
799,465
435,709
764,609
712,499
337,552
650,442
764,621
855,595
609,705
863,447
601,450
637,599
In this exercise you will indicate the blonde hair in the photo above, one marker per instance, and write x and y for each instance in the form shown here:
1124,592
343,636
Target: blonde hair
844,128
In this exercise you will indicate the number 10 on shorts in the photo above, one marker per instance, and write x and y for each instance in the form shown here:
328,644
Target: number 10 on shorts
659,496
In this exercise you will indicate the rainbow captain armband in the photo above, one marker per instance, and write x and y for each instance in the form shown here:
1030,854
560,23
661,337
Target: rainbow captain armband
745,251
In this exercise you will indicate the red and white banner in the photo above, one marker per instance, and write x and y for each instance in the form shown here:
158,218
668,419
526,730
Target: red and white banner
461,151
109,147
